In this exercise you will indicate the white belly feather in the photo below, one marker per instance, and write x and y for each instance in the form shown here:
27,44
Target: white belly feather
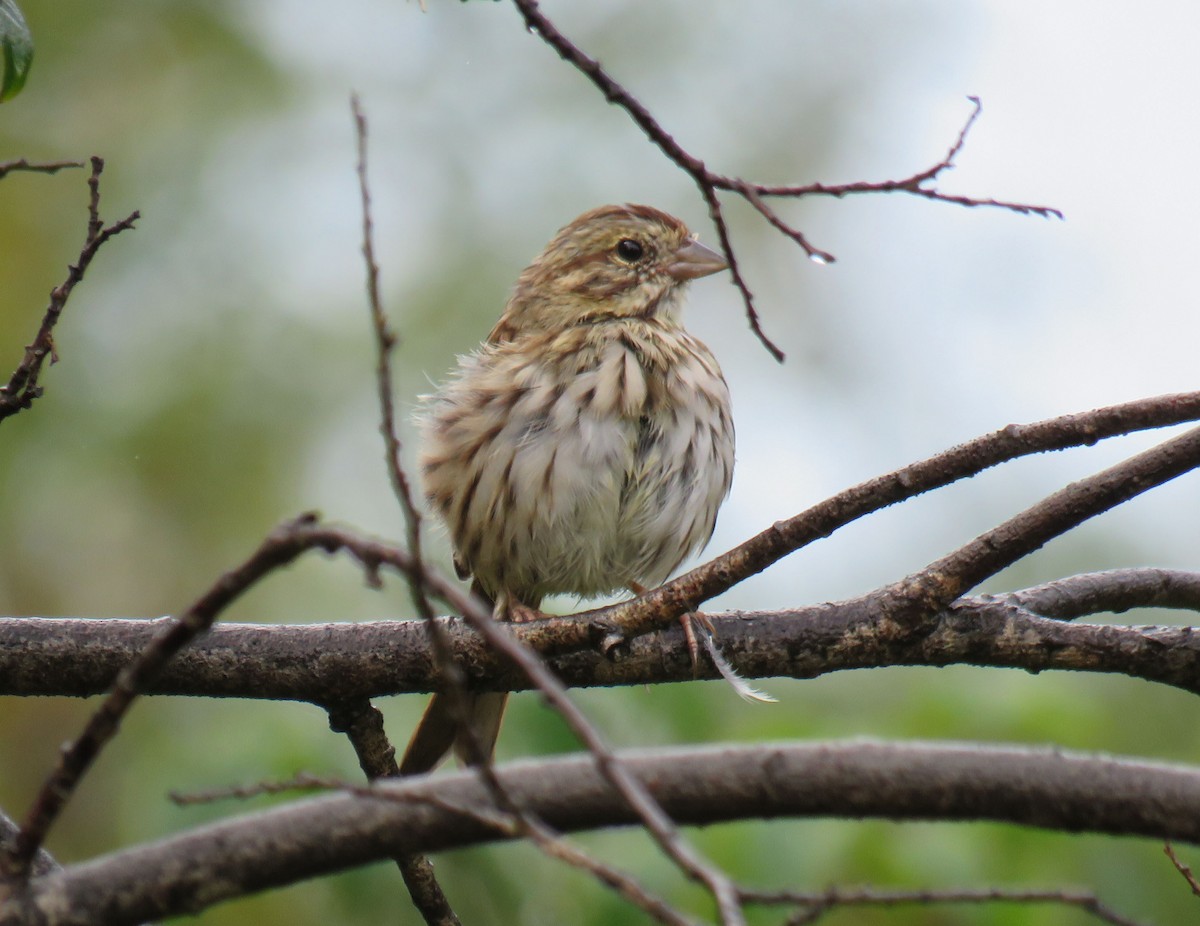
612,479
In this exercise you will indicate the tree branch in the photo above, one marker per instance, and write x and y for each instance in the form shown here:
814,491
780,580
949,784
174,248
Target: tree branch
659,607
362,724
341,663
1115,590
905,604
34,167
814,905
709,182
1048,788
22,387
385,344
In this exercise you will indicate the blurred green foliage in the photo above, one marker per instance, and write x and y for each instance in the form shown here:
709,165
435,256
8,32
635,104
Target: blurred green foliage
215,377
16,50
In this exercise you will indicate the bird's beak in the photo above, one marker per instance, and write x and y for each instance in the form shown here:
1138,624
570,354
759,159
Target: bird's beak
693,260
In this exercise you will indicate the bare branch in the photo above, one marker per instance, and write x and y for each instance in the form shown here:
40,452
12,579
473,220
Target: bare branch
362,723
923,596
1048,788
77,657
43,861
385,342
816,905
663,605
914,184
938,584
302,782
22,387
614,93
1116,590
280,548
1183,869
709,182
526,826
735,270
44,167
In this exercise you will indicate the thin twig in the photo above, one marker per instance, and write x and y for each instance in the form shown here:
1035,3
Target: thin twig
427,895
814,253
816,904
1180,867
709,182
300,782
552,844
913,184
22,387
735,270
385,342
34,167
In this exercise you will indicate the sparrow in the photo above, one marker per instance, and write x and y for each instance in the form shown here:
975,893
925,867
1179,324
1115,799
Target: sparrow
586,447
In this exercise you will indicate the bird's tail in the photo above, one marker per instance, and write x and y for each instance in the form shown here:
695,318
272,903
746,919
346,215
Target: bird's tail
438,733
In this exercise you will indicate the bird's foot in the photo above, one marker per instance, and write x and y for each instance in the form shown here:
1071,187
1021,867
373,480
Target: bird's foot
689,631
688,620
509,609
523,614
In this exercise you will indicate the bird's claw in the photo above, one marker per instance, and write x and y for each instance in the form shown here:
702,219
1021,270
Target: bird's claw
689,634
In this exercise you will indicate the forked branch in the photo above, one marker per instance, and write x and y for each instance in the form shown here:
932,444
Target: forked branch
22,387
710,182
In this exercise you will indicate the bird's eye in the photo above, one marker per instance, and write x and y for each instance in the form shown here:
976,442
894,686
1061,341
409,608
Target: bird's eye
630,250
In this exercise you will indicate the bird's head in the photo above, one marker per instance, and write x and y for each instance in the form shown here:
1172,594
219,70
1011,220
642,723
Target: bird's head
611,262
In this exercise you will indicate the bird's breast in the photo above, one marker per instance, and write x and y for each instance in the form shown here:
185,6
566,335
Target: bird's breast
597,460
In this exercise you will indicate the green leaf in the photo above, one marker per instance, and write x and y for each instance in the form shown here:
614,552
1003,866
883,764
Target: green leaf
16,50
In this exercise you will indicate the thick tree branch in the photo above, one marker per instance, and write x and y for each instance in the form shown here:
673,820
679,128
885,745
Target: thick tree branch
340,663
919,597
43,862
1047,788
